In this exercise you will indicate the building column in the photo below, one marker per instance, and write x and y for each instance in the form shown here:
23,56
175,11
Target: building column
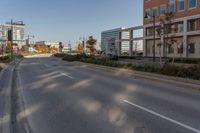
131,43
162,47
119,49
131,49
119,44
185,39
144,43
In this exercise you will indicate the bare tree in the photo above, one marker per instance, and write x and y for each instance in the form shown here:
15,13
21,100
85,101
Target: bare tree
165,32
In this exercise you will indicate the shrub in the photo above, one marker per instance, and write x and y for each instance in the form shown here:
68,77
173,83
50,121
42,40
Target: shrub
3,58
131,57
19,56
184,60
60,55
6,59
171,70
70,58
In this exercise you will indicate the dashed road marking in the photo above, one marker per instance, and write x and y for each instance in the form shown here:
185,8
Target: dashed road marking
162,116
67,75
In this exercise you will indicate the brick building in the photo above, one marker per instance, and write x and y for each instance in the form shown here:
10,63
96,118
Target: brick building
186,21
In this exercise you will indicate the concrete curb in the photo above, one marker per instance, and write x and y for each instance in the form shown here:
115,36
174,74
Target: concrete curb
195,84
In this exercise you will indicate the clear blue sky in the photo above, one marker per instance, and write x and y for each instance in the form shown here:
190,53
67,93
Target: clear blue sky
65,20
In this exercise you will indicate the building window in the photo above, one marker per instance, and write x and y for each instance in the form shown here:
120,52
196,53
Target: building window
180,49
191,48
192,3
148,13
149,31
181,5
170,49
180,27
171,6
155,11
191,25
162,10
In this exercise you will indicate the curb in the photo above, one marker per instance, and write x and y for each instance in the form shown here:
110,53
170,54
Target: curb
195,84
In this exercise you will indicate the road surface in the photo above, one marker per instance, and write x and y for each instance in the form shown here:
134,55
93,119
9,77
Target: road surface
62,97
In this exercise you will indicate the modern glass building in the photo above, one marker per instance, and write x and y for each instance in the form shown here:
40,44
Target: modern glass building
109,41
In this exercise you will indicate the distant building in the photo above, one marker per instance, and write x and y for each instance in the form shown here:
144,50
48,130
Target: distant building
50,44
122,41
186,19
66,49
18,33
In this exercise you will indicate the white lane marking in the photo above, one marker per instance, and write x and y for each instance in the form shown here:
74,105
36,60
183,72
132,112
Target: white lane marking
26,128
164,117
65,74
47,65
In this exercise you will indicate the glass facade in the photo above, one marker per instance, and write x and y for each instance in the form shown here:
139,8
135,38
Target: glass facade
108,37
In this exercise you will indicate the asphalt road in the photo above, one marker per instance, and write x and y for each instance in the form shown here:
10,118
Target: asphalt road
61,97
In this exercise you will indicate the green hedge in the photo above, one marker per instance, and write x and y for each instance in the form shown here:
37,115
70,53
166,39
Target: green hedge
70,58
131,57
190,72
5,59
60,55
170,70
184,60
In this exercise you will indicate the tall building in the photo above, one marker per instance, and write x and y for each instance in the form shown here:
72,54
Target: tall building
185,19
110,40
18,33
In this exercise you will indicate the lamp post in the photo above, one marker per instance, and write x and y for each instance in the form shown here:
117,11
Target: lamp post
154,34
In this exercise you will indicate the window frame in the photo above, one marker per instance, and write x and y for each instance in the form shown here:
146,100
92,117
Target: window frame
174,3
148,17
164,5
190,8
156,8
179,6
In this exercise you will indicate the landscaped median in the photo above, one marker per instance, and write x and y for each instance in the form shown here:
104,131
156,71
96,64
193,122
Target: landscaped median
192,72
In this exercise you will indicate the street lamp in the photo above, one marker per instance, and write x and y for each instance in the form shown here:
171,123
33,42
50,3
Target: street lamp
154,34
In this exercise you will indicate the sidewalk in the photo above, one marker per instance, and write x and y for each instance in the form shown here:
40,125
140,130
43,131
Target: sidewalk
186,83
